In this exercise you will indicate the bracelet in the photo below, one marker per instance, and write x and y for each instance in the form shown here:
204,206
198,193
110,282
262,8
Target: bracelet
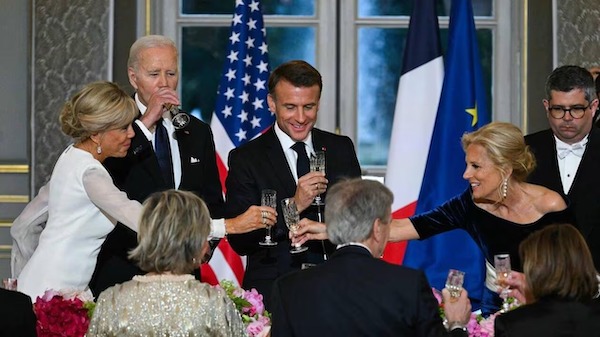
225,227
456,325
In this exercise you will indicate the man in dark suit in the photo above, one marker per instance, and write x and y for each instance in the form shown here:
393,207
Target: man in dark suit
278,160
568,154
16,315
163,155
355,293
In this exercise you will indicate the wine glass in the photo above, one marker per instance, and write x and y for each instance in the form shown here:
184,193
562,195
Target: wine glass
503,269
268,198
317,164
291,217
454,282
9,284
179,118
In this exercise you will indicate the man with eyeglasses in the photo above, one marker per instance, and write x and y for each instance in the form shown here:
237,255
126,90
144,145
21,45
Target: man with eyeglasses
568,154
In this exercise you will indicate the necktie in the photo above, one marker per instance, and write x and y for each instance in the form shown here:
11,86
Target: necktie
564,150
302,165
163,153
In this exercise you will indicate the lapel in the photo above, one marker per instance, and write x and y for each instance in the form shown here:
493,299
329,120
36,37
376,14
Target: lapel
550,156
151,162
185,144
588,160
278,162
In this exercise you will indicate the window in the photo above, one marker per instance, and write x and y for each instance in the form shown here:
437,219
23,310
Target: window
359,89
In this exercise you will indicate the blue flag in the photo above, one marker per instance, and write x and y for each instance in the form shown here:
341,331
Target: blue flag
462,108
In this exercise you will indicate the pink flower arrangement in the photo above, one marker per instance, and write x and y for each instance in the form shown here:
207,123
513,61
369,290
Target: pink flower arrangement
251,307
477,326
63,313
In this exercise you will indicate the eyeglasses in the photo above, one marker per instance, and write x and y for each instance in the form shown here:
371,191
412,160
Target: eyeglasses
559,112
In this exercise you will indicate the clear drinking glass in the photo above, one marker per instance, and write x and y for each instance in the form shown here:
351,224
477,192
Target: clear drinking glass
9,284
268,198
291,216
454,282
317,164
503,269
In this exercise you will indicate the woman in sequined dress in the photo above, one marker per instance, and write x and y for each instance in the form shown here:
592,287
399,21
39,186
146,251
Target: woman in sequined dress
168,301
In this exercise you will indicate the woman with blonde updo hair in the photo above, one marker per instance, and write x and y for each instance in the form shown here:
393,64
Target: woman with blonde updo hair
83,204
498,209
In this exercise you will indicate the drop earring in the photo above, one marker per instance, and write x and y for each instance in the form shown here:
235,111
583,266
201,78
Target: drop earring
504,188
98,149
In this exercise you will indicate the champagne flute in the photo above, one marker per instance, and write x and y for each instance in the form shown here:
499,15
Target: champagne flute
268,198
317,164
291,216
179,118
503,269
454,282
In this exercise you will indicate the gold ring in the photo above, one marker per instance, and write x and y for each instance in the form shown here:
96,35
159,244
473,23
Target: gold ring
264,214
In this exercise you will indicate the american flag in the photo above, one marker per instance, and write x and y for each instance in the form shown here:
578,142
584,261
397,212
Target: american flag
241,113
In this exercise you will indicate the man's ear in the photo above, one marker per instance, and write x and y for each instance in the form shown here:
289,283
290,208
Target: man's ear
271,102
132,77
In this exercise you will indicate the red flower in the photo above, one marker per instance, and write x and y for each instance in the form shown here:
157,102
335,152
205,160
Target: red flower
58,317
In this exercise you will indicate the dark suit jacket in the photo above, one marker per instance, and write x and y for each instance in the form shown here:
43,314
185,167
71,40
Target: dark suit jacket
551,318
138,174
261,164
16,315
355,294
585,191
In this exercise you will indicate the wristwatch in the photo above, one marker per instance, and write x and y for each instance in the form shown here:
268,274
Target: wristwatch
456,325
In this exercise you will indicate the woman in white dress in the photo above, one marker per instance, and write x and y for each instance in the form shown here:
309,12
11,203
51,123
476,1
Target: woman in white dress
83,203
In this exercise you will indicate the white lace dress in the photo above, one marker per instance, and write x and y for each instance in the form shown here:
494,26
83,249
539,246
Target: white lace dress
83,207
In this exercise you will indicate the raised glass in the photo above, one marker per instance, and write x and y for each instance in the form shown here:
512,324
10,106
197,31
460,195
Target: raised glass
268,198
503,269
291,217
317,164
454,282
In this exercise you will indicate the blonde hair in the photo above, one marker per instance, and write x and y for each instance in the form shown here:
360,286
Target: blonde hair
557,262
505,146
174,226
97,107
146,42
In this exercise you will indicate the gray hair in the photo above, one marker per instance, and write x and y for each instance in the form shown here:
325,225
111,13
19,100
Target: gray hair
567,78
174,227
352,208
146,42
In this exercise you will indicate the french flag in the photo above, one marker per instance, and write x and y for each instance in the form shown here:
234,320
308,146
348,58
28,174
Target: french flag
436,105
417,101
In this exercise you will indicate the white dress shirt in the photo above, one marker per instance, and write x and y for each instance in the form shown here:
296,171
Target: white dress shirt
176,159
290,154
569,157
217,228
